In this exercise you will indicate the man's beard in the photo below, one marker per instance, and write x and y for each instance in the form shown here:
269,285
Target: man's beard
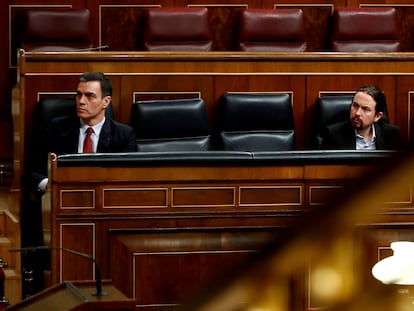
356,122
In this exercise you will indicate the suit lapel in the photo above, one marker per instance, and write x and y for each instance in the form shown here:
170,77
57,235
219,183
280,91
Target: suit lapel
105,138
379,137
348,138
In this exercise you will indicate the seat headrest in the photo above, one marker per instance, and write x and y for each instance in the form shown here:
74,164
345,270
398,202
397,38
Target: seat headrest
328,110
155,119
366,30
332,109
272,30
177,29
50,108
62,29
255,111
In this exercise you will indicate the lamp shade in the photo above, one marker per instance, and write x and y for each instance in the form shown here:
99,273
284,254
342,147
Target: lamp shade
398,268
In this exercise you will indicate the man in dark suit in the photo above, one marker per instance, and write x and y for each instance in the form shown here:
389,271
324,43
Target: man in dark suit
94,94
366,128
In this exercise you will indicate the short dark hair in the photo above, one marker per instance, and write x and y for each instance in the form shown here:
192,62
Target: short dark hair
106,85
379,98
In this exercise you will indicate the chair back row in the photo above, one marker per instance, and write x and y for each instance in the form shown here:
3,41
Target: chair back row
188,29
243,121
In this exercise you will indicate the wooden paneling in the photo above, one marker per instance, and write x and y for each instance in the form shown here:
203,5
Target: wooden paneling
81,238
168,266
161,235
322,194
113,17
77,198
275,195
217,196
134,198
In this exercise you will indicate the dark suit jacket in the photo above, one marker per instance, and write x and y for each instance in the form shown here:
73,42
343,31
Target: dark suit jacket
114,137
341,136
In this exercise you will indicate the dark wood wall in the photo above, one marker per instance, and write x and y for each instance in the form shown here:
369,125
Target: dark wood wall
118,25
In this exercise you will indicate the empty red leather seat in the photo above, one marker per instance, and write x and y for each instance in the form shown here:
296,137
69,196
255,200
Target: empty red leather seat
56,30
366,30
177,29
270,30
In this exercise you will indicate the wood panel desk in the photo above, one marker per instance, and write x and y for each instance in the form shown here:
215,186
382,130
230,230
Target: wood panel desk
153,220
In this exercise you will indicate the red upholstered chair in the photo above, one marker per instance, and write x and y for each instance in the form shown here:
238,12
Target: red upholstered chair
56,30
270,30
366,30
177,29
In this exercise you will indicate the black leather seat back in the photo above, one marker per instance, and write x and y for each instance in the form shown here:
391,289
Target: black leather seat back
328,110
171,125
50,108
255,122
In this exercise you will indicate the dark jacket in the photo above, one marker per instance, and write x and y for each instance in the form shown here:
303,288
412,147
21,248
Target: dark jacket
341,136
64,138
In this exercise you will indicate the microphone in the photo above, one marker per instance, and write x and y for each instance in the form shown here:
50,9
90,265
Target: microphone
98,292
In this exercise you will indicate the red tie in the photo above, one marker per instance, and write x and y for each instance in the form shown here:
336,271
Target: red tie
87,143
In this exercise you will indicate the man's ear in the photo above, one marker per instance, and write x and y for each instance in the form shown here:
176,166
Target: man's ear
107,100
378,116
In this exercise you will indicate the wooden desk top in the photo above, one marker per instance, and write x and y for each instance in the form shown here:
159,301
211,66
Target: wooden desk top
217,62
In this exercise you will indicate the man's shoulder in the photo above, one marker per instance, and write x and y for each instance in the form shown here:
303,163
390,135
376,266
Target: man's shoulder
338,126
387,130
388,126
118,125
117,128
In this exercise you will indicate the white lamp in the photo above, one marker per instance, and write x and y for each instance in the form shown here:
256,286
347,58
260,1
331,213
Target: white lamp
398,268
